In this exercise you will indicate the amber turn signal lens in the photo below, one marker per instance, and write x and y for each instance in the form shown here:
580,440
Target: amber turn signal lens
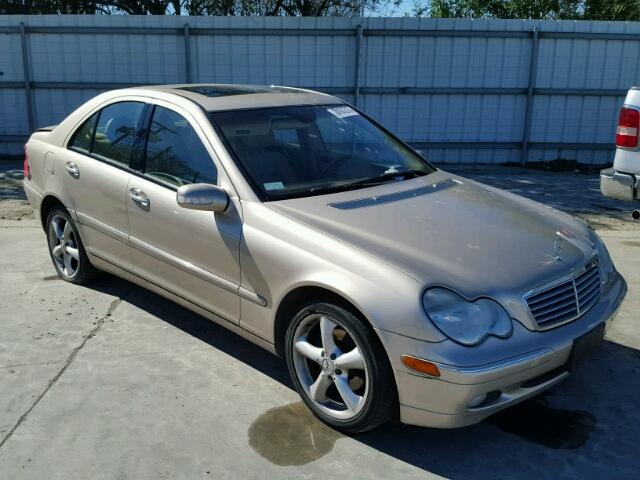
420,365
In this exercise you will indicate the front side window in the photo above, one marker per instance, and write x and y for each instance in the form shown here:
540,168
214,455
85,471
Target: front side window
309,150
175,153
117,131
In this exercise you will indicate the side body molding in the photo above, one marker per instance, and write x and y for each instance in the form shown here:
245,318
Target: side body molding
170,259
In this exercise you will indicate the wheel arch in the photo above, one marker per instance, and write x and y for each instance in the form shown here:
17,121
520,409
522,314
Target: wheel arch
300,296
47,204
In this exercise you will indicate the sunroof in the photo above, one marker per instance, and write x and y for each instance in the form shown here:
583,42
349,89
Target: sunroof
228,90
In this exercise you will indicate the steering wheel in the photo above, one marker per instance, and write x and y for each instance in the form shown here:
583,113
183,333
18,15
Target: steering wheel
328,165
167,177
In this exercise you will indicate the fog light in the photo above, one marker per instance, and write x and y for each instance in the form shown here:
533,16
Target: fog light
477,400
419,365
485,399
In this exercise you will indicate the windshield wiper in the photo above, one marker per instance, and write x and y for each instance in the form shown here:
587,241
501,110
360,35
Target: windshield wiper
385,177
361,183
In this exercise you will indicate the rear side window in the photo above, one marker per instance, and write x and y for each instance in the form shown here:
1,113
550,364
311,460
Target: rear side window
116,131
84,135
175,153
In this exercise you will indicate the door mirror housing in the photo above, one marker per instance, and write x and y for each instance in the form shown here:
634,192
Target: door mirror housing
203,196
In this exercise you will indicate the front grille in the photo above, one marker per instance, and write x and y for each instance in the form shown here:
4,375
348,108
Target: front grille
567,300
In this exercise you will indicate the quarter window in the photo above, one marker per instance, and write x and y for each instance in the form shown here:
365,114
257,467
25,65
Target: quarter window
175,153
84,135
117,131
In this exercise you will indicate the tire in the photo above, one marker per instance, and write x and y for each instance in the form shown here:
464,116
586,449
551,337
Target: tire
340,369
66,249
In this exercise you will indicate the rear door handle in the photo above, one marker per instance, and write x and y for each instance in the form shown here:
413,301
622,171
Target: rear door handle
139,197
73,169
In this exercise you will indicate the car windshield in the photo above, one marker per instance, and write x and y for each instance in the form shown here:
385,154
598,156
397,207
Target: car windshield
301,151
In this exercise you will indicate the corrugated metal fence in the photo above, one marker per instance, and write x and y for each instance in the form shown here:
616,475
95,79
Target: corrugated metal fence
466,91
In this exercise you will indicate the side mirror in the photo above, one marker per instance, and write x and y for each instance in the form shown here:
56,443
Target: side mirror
203,196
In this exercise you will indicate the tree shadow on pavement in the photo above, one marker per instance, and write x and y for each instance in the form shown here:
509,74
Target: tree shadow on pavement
11,176
575,193
201,328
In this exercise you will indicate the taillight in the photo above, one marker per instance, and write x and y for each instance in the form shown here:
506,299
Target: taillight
628,125
27,170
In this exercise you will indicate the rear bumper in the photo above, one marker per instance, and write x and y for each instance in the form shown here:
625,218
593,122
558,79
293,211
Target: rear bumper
466,394
34,196
618,185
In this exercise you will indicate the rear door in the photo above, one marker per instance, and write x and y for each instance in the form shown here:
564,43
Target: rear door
194,254
96,172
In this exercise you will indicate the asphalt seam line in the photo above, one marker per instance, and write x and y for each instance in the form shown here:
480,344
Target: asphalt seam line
74,353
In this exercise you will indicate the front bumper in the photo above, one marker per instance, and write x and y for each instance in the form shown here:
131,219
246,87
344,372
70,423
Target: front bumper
468,391
618,185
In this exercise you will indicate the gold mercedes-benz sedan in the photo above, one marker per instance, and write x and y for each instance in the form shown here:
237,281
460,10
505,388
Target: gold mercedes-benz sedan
393,289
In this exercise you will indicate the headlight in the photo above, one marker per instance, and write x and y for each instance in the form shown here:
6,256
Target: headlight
606,264
468,323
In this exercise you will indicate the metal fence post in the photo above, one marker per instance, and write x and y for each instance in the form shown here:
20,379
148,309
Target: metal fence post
26,67
187,52
358,66
528,112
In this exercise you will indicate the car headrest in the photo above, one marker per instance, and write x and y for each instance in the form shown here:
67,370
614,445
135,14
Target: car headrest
287,124
114,127
250,129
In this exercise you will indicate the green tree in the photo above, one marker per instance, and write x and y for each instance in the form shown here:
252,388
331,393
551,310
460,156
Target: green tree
46,6
626,10
313,8
305,8
536,9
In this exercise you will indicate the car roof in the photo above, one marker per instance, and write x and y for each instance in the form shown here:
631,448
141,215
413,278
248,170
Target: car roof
219,97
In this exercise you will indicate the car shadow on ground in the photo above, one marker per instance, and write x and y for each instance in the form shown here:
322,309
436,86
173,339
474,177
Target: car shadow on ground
587,426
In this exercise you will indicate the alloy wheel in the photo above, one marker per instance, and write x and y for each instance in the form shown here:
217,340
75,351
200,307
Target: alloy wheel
330,366
64,246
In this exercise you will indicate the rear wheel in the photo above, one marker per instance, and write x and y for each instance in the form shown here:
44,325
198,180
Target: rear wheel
66,250
340,369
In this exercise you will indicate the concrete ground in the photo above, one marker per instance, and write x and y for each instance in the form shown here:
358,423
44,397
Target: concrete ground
111,381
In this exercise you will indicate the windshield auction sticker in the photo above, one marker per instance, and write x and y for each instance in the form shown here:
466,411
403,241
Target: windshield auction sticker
273,186
342,112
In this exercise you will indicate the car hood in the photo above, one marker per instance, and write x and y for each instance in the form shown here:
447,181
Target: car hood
446,230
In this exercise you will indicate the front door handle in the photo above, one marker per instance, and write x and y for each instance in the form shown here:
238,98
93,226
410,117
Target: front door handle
73,169
139,197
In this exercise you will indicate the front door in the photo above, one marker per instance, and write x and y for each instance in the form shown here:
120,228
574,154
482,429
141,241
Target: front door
95,171
194,254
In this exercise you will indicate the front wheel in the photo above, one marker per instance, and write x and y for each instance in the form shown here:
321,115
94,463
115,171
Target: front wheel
340,369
